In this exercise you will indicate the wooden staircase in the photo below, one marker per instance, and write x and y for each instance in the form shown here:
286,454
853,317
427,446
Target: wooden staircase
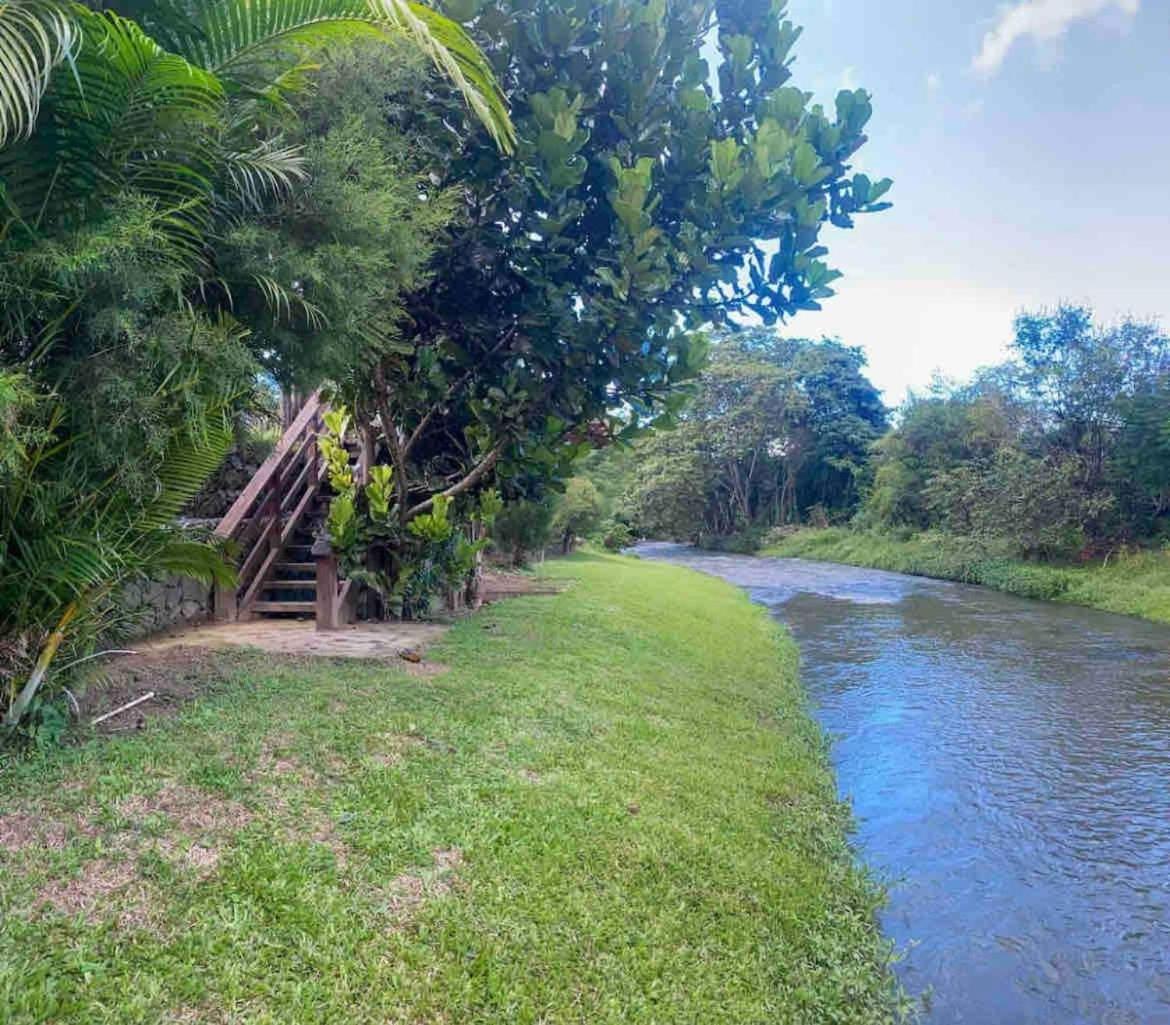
273,523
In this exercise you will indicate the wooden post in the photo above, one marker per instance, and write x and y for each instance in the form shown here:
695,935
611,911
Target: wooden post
327,611
225,605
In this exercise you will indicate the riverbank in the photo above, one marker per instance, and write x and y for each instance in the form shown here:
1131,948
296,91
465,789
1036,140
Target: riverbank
1135,584
603,810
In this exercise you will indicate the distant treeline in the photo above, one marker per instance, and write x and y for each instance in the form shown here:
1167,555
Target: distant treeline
1063,450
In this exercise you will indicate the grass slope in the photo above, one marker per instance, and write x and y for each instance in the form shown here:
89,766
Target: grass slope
1136,584
613,808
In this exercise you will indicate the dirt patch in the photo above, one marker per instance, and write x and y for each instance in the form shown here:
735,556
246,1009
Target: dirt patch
198,825
193,812
177,675
20,831
102,890
497,585
529,776
408,891
388,749
23,831
425,670
209,1015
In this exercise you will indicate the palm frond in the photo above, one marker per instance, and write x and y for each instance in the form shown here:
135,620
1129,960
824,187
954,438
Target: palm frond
35,36
198,560
187,464
282,301
455,53
264,171
236,37
131,117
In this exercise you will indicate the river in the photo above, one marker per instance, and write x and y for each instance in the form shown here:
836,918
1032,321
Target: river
1008,764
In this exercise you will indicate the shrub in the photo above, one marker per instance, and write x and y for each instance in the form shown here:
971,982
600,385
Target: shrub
523,527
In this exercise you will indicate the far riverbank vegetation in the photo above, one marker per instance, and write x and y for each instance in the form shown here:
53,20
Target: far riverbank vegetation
1047,475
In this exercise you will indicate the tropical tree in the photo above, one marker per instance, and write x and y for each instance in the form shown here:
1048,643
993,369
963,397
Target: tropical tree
778,427
132,142
1060,451
565,305
578,512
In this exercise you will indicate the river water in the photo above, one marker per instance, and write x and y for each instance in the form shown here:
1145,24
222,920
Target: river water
1008,763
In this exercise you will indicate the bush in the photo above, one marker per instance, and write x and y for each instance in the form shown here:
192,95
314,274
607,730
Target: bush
523,527
578,512
616,535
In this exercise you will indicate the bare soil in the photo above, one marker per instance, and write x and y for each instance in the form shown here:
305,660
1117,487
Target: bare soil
177,676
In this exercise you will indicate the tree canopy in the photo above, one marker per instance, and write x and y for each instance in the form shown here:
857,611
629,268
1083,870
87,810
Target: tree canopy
641,203
1061,450
779,429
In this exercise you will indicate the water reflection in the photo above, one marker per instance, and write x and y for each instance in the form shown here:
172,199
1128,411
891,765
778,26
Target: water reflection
1008,762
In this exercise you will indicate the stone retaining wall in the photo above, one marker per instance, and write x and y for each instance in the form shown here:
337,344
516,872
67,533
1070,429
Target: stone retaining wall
156,605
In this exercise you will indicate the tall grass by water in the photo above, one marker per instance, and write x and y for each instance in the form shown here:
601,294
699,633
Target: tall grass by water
1133,583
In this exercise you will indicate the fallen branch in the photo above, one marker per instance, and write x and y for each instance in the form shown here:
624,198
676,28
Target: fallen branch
122,708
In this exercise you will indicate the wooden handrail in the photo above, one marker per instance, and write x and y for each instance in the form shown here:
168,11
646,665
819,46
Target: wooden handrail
229,526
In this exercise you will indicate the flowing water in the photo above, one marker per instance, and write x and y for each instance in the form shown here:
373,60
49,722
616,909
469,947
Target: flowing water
1008,763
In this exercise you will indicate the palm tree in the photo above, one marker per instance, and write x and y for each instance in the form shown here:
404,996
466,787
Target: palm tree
230,39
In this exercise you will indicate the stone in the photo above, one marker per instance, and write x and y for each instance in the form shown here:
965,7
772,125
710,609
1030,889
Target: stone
191,609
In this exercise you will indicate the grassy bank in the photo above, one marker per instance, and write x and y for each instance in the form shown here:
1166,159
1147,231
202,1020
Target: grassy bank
1136,584
611,808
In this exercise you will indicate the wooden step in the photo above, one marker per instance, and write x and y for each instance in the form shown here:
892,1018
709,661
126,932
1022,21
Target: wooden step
291,585
296,567
284,606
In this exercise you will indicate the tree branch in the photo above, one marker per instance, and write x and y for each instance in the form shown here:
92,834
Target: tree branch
481,470
393,442
506,337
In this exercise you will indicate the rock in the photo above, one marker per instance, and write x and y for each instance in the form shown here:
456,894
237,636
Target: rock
192,609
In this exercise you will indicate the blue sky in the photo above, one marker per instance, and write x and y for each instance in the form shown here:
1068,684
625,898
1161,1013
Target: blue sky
1030,147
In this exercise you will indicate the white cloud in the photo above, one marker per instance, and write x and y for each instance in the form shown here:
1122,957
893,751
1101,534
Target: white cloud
933,83
911,327
849,78
1041,20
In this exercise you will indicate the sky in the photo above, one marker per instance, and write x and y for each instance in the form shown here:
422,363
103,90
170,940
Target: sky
1029,143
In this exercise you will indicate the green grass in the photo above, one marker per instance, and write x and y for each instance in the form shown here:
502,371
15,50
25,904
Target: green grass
613,808
1136,584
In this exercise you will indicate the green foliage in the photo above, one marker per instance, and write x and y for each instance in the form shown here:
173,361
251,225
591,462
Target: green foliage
569,295
616,535
433,526
132,144
488,507
578,511
522,528
777,427
1060,451
378,491
67,541
35,37
338,253
331,445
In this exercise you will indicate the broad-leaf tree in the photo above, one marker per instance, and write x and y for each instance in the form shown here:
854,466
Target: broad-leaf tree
1063,450
643,202
778,428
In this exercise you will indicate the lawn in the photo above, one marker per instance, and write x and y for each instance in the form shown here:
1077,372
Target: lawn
612,807
1135,583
